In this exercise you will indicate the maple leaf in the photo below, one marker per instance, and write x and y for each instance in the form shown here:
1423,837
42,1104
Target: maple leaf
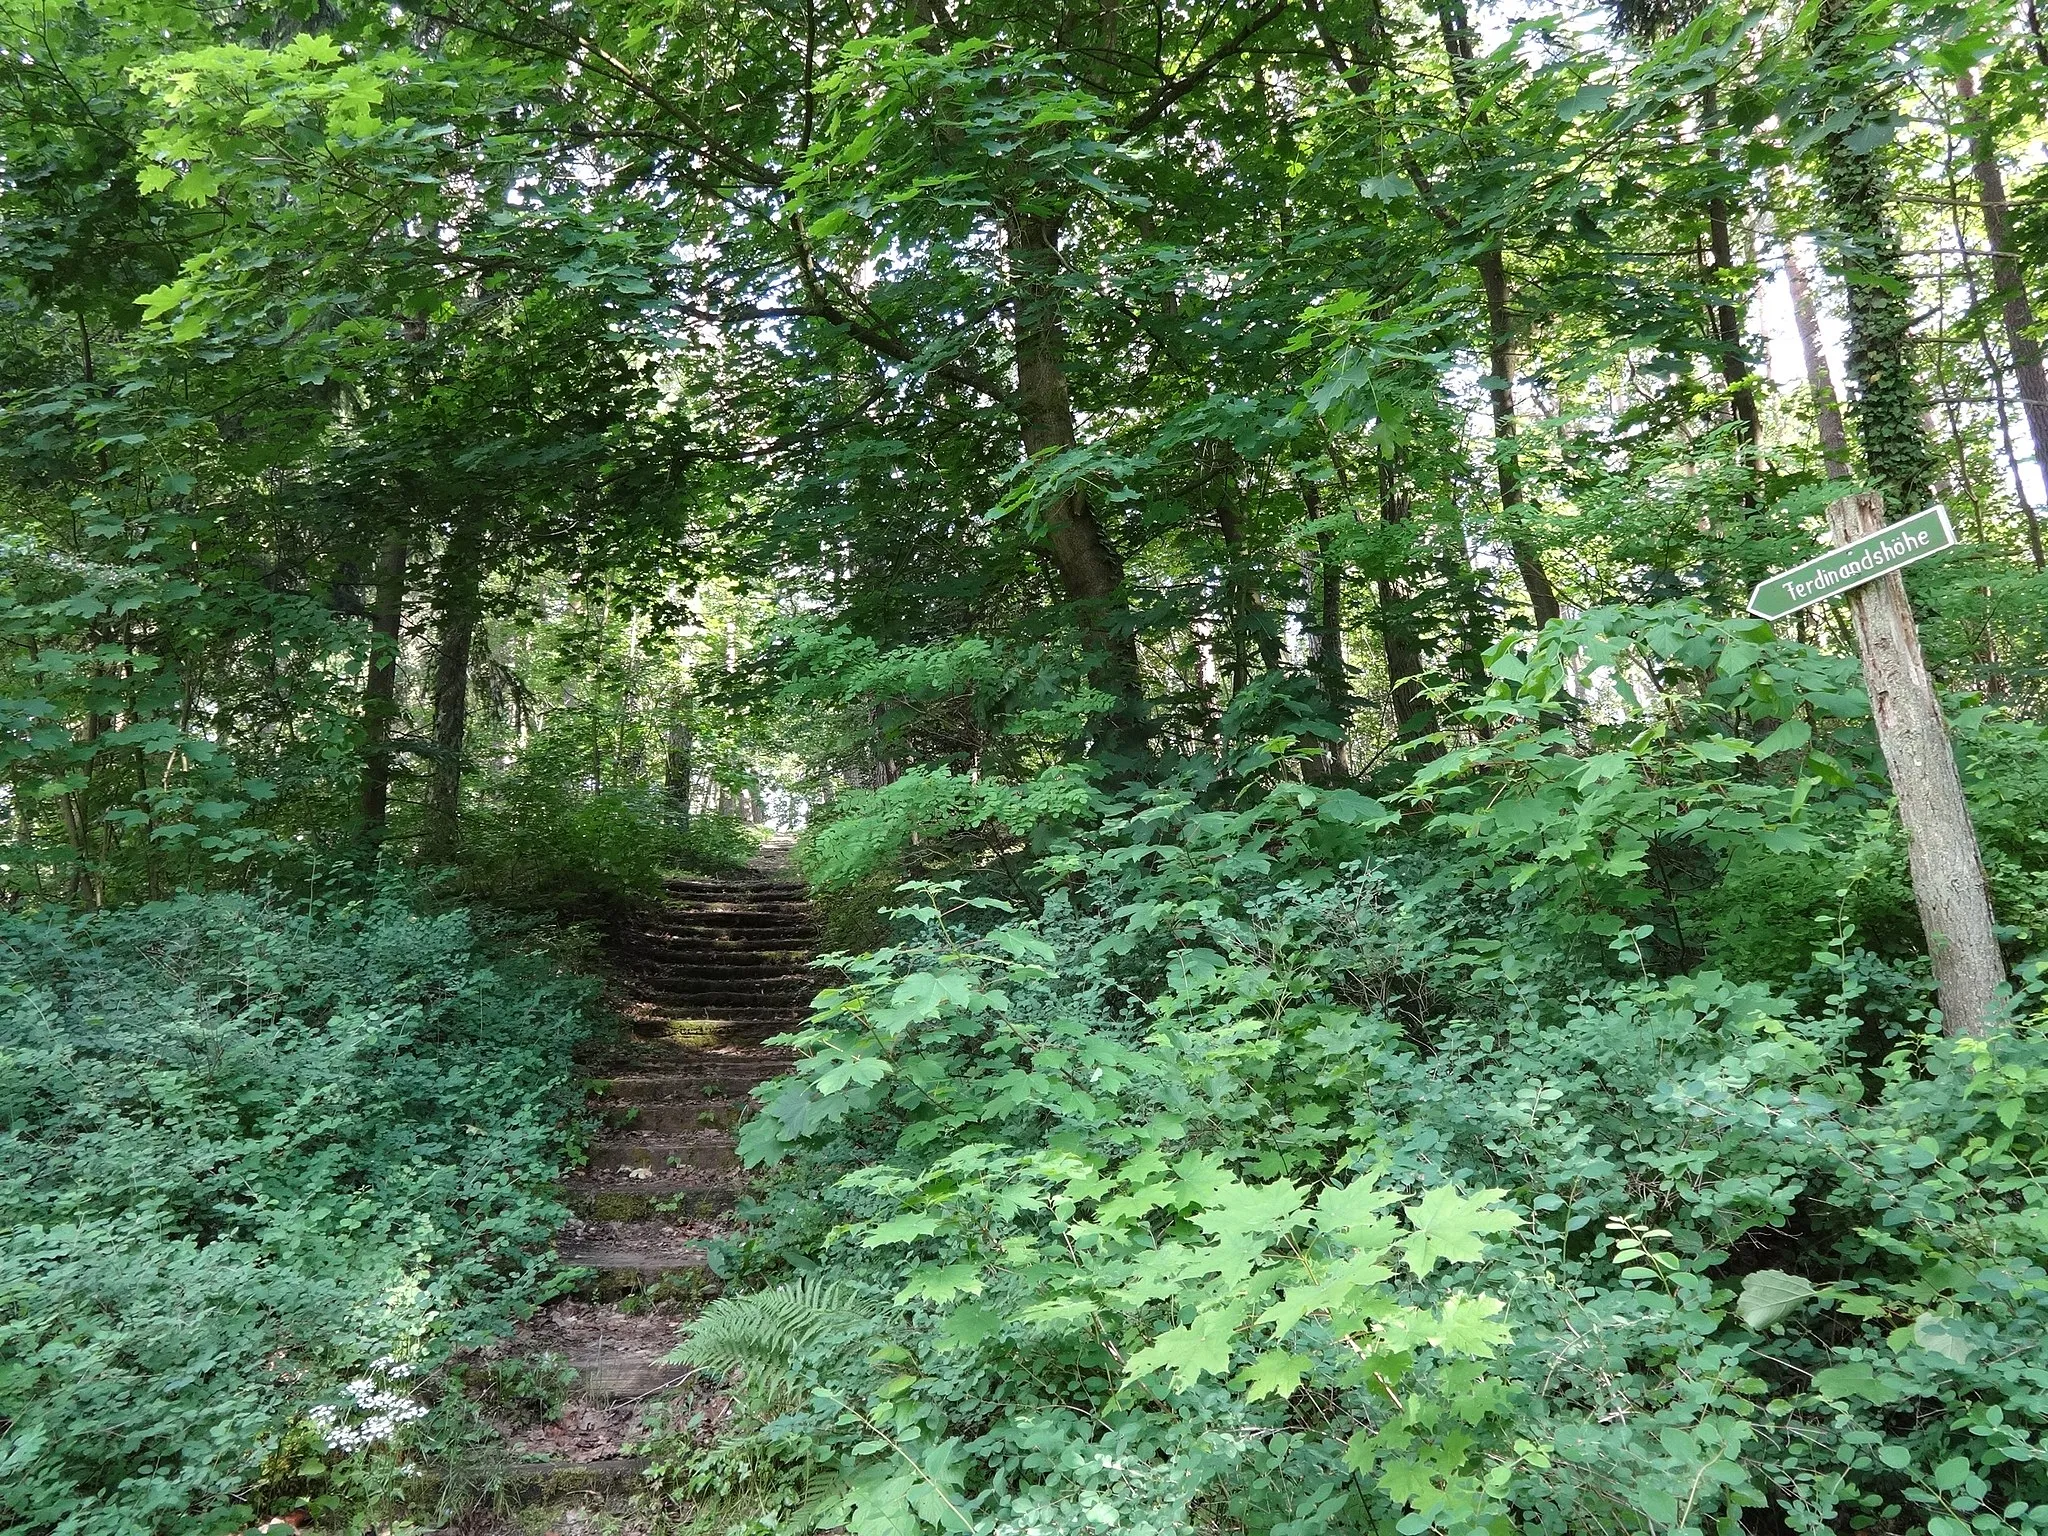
1197,1349
1276,1373
1453,1227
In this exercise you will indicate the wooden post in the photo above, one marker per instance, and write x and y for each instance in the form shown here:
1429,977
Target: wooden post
1941,845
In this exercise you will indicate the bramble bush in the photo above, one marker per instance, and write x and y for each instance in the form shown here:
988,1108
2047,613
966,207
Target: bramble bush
263,1163
1297,1160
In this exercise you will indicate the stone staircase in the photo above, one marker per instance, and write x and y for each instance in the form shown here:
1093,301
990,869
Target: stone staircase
702,981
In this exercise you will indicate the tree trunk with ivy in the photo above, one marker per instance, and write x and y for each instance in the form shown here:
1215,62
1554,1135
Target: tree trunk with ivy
1889,408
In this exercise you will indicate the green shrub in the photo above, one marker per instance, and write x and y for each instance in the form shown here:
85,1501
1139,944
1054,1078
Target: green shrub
261,1167
532,841
1292,1166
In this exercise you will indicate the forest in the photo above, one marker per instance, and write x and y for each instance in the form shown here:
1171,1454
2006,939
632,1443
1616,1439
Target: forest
1172,584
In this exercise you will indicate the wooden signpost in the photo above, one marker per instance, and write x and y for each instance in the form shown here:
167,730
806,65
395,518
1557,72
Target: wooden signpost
1941,845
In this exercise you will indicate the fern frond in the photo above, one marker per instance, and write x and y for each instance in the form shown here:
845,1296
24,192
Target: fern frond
762,1333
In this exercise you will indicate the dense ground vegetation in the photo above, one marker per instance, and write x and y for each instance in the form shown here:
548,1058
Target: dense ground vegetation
1268,1156
1403,1011
266,1163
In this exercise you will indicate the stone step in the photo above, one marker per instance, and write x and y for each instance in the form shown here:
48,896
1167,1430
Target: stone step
611,1375
674,1119
714,942
766,1005
732,902
687,1085
682,895
695,1031
542,1482
616,1199
650,969
694,953
731,920
623,1267
746,1008
664,971
713,883
794,945
707,1025
710,1152
649,1258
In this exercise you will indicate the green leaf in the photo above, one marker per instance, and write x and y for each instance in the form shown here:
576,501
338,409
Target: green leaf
1452,1228
900,1229
1585,101
1793,733
968,1325
1276,1373
1354,1212
1943,1336
1770,1296
1200,1348
941,1283
1838,1383
855,1070
1952,1474
1465,1326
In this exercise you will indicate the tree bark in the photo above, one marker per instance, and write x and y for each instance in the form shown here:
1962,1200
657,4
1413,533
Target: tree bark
1456,26
677,771
380,691
1827,407
1888,409
1941,845
1329,631
1246,616
1398,638
1324,575
1734,360
1500,389
460,585
2016,308
1091,574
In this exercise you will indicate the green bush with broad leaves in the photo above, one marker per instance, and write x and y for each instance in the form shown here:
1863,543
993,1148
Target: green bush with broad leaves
262,1164
1298,1160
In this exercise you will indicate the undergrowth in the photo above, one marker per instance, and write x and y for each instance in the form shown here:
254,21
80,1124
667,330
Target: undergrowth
262,1166
1291,1160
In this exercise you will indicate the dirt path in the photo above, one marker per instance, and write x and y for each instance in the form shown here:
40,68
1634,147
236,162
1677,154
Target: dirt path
702,981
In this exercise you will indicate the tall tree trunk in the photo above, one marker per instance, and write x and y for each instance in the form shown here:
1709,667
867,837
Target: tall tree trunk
1398,637
1889,408
1329,631
1456,26
380,691
1245,615
1323,578
677,771
1820,383
1973,293
1493,281
1091,574
1500,388
457,602
2015,307
1941,844
1734,360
